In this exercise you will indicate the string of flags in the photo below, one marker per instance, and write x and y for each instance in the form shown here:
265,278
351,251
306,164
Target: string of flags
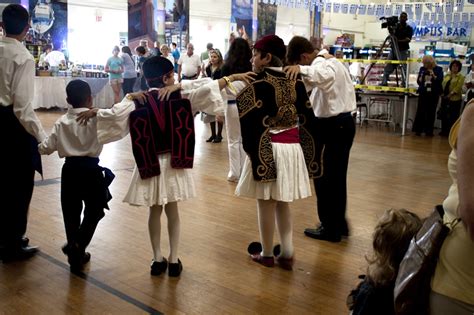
449,13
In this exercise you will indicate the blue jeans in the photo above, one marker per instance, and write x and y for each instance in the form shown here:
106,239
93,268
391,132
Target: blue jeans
390,67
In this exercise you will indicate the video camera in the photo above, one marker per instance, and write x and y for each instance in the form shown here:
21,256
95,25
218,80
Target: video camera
390,23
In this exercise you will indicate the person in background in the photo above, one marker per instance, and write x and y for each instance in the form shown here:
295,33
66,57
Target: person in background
114,67
46,50
404,34
429,82
205,57
156,50
20,132
232,37
391,238
166,52
54,58
141,52
333,100
451,102
176,56
189,65
82,181
144,44
214,71
129,73
238,61
453,281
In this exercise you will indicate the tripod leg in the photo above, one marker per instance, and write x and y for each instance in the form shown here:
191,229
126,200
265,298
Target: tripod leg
398,56
377,57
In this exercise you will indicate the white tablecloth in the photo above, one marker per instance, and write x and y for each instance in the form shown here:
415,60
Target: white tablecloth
51,92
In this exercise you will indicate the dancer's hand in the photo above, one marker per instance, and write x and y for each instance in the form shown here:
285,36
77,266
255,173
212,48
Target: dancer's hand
292,71
247,77
83,117
137,96
164,93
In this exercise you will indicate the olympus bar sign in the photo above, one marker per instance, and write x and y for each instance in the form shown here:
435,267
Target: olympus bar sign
440,32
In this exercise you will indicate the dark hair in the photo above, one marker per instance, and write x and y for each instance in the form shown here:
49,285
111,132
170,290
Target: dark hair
238,58
275,62
457,63
78,91
404,13
298,45
140,50
49,46
174,44
126,50
15,18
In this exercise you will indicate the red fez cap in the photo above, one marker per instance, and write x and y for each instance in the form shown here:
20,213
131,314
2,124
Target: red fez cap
271,44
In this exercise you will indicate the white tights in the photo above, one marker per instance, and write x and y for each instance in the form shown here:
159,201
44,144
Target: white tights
154,227
270,211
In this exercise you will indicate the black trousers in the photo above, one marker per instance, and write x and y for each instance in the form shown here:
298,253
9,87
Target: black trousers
127,86
81,184
450,111
426,113
17,178
334,141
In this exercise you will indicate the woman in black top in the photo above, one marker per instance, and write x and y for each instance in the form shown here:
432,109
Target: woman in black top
214,71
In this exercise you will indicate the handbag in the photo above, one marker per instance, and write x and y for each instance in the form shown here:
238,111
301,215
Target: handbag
413,283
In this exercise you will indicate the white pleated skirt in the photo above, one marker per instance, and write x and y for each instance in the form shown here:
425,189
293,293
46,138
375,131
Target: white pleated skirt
292,180
171,185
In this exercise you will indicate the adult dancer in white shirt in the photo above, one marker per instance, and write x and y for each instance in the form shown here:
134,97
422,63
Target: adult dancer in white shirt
333,100
20,130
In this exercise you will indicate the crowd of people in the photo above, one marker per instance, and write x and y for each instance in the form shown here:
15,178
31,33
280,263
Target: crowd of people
288,115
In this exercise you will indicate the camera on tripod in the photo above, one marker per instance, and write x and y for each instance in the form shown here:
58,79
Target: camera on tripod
390,23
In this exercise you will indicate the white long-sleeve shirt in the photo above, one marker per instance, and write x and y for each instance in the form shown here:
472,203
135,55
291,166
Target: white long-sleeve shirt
204,95
71,139
17,77
333,92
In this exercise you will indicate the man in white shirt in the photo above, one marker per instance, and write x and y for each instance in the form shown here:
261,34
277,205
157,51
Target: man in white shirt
20,131
189,65
54,57
333,100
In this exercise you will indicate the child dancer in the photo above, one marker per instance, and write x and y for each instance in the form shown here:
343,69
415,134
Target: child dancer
82,179
392,236
162,176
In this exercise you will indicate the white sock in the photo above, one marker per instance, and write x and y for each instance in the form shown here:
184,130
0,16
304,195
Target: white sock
154,228
266,224
174,226
285,229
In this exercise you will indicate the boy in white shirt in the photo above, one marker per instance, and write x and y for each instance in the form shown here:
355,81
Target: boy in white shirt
82,179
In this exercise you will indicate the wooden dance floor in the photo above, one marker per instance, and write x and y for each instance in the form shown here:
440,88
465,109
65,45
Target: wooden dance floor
385,171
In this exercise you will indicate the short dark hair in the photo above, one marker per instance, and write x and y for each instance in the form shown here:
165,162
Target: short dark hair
174,44
140,50
298,45
49,46
78,91
457,63
15,18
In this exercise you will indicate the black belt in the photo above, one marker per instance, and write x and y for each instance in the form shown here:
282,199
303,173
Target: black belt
341,115
231,102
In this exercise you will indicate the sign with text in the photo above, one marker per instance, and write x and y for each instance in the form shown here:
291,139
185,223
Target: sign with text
440,32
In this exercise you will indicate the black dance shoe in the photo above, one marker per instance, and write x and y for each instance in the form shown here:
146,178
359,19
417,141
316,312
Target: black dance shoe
20,253
174,270
218,139
158,267
211,139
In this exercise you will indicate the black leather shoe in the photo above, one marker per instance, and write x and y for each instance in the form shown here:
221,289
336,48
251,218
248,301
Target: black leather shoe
323,234
174,270
158,267
218,139
211,139
21,253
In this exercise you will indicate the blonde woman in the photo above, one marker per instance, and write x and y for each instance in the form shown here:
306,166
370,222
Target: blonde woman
166,52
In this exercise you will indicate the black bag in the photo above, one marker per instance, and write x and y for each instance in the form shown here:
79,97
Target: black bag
413,283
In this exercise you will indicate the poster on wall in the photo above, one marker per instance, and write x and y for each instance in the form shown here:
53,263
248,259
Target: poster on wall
49,22
267,15
241,18
177,23
141,22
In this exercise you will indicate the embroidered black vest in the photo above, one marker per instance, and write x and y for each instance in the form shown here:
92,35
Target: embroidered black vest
158,127
273,101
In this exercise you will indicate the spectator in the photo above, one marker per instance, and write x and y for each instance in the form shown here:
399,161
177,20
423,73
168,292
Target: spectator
114,67
189,65
176,56
452,97
214,71
129,73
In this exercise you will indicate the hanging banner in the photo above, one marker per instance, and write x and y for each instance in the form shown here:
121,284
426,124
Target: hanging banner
345,8
267,16
438,8
353,9
362,9
328,7
49,23
388,10
241,17
335,7
429,6
380,10
371,9
448,8
398,9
